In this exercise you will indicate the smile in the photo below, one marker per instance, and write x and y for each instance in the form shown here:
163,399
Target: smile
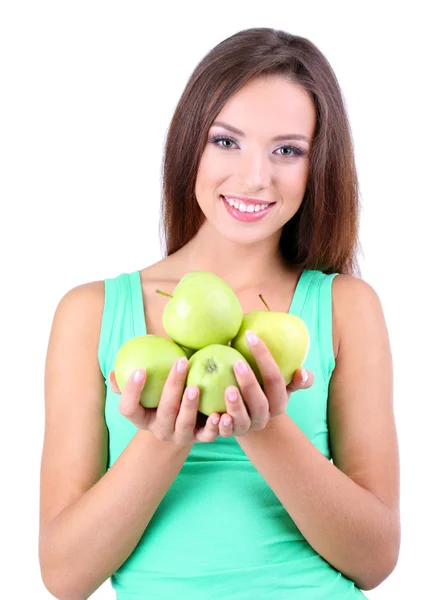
242,211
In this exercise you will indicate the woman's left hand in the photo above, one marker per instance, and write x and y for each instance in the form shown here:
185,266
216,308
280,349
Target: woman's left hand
262,404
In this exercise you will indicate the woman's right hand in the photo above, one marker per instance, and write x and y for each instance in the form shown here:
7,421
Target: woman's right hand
176,419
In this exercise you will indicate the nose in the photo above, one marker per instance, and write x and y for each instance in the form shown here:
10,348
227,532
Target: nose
254,171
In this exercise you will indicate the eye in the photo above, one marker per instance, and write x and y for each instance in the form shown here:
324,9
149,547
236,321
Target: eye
222,138
293,151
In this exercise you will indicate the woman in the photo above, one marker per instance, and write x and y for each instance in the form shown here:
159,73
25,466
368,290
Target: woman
294,491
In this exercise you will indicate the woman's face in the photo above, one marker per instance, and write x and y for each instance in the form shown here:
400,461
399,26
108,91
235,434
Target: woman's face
252,163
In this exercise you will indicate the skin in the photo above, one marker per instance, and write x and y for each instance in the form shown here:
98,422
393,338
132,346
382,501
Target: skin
347,509
253,165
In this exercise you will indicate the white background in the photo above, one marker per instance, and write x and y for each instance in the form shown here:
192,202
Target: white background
87,93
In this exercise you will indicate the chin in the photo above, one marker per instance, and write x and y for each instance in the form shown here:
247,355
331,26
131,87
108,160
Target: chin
244,236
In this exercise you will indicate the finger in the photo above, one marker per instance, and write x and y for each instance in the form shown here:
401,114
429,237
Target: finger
237,410
253,396
210,431
170,401
301,380
226,426
186,419
113,385
273,382
129,405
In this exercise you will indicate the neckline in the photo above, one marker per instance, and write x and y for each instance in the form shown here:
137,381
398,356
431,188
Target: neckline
138,308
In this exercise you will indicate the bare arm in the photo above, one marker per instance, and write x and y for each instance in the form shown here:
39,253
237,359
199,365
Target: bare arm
348,511
90,519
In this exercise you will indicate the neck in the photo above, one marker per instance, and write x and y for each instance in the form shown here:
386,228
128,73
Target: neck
240,265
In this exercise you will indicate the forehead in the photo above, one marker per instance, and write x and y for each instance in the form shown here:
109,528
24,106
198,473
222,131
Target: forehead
272,106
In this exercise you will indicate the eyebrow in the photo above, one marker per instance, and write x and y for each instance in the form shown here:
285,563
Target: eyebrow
277,138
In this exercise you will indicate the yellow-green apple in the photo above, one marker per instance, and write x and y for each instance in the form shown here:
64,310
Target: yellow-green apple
154,353
203,310
211,370
285,335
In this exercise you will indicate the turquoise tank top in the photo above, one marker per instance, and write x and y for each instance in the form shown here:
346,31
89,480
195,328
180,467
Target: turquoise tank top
220,532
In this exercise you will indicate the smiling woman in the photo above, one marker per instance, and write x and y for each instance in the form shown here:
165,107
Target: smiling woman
238,127
255,160
293,491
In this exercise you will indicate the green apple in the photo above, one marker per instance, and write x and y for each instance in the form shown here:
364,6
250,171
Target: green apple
285,335
188,351
211,370
203,310
154,353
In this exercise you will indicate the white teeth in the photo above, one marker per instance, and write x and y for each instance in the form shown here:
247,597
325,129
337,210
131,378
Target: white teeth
246,207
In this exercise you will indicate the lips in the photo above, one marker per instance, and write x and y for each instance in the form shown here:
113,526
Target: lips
246,216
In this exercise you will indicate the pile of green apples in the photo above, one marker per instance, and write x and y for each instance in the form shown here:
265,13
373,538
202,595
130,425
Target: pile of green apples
205,322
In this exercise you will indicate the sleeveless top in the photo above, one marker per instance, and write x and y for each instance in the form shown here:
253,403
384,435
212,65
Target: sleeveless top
220,532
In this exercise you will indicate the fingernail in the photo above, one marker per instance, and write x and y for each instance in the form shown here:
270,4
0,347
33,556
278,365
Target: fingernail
232,394
304,376
192,393
138,376
252,338
226,421
215,420
241,367
182,365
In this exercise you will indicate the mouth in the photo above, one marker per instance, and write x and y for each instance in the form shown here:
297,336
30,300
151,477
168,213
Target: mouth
246,211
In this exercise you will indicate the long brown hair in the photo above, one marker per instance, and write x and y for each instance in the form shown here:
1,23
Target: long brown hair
323,234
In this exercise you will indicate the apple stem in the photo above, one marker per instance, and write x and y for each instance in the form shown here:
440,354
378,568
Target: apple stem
261,297
164,293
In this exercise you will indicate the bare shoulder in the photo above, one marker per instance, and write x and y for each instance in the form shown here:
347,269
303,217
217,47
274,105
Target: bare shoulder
360,407
352,299
78,314
348,287
88,295
74,393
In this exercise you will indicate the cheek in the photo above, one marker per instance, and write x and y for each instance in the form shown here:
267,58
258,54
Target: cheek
210,180
294,186
205,188
211,169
